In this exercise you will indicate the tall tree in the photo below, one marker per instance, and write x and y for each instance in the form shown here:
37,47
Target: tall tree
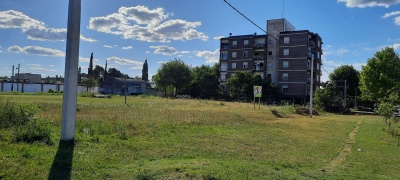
174,74
97,72
348,73
381,76
90,69
145,70
113,72
241,85
105,70
205,83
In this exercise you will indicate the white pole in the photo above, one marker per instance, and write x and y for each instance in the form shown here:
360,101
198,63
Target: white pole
311,84
71,71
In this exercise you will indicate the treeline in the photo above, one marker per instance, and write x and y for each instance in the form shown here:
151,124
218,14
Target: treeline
377,83
175,77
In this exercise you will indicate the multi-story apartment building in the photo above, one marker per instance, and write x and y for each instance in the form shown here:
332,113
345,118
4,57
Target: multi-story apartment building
282,55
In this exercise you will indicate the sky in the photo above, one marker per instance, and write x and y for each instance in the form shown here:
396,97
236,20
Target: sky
127,32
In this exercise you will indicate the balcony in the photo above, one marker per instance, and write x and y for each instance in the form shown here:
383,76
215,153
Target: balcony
258,58
259,46
311,44
258,69
224,47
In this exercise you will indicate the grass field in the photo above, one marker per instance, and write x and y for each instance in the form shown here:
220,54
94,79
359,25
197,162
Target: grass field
156,138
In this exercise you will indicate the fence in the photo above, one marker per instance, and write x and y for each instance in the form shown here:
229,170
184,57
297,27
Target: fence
34,88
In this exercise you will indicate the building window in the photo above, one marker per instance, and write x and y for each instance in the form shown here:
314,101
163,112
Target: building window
284,88
246,43
224,56
234,54
245,65
286,40
270,41
286,52
317,78
285,76
270,64
269,52
319,43
234,43
269,76
233,65
223,77
317,66
318,55
245,53
285,64
224,66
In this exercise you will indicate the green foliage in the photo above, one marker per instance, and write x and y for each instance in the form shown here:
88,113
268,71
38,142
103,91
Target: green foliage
33,131
173,76
145,71
386,109
348,73
205,83
97,72
113,72
381,75
324,99
90,82
12,115
241,85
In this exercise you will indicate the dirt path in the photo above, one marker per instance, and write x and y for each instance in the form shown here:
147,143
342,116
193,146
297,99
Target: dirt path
345,151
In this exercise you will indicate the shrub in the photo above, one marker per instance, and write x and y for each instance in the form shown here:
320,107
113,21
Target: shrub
33,131
50,91
12,115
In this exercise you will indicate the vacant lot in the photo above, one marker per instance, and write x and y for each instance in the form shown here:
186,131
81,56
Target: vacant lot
156,138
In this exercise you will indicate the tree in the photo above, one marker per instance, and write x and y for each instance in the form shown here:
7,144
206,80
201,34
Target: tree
174,74
381,75
113,72
97,72
348,73
90,69
205,83
89,83
241,85
145,71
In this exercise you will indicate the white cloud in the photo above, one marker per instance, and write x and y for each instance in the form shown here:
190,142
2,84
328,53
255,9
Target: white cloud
391,14
144,24
369,3
396,46
218,37
0,49
185,52
34,29
108,46
164,50
36,50
337,52
397,21
127,47
122,61
161,62
42,69
147,52
88,39
211,56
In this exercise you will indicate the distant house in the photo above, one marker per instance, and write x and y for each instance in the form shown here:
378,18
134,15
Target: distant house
112,85
27,77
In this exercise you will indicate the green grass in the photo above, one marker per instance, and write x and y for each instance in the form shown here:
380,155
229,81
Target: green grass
156,138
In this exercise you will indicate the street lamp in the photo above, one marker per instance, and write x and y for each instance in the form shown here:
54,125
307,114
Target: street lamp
18,77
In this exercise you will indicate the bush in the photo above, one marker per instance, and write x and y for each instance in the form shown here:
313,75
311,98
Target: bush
33,131
12,115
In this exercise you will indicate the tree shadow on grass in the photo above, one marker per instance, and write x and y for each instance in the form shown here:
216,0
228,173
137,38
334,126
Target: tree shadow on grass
62,163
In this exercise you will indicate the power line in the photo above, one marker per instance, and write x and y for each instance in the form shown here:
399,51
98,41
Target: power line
249,19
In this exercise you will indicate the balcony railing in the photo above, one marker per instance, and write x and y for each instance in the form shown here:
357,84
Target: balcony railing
258,58
257,69
259,46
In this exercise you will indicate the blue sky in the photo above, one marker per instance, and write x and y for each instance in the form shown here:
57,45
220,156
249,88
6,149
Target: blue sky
127,32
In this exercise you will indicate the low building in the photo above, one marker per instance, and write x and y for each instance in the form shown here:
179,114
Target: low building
112,85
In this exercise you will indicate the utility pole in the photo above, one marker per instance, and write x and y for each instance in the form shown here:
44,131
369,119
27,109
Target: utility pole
311,84
18,79
12,79
71,71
